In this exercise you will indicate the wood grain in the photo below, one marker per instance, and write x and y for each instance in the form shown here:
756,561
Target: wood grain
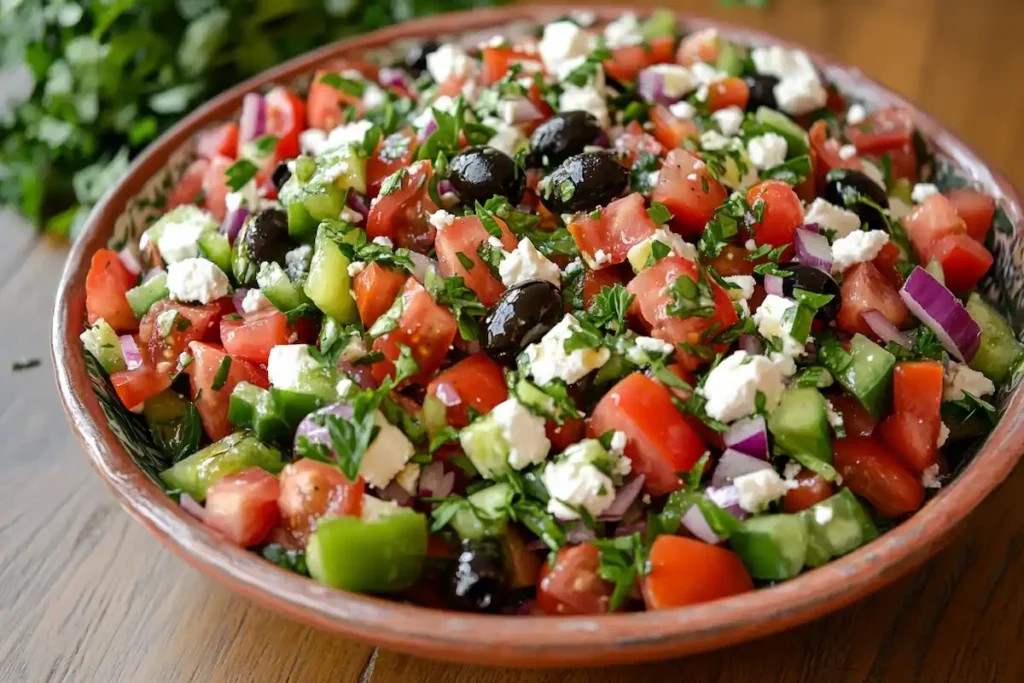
87,596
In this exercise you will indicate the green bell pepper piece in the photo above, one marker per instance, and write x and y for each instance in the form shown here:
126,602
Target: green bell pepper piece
772,547
233,453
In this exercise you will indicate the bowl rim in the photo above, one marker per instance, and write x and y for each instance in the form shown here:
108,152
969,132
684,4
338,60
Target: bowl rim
511,640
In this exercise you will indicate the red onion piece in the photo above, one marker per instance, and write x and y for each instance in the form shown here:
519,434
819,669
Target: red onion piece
624,497
603,140
734,464
749,436
360,374
192,506
812,250
395,492
252,122
130,261
751,344
435,482
694,522
650,84
628,529
444,186
426,130
130,351
233,222
936,307
884,329
237,298
525,111
357,203
389,77
773,285
727,498
317,434
579,533
421,264
812,227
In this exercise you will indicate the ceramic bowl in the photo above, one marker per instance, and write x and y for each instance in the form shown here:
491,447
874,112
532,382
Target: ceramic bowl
118,446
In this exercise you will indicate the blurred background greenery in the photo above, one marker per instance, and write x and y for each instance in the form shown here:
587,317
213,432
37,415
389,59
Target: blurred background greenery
106,77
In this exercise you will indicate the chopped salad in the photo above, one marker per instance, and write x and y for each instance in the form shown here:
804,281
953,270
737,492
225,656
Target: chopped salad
592,319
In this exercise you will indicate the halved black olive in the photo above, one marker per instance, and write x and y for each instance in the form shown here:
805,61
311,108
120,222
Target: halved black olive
562,136
281,175
585,182
762,91
480,582
480,173
416,57
844,186
812,280
264,237
523,314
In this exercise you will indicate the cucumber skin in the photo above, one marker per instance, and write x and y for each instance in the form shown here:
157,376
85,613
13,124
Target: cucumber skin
194,474
328,284
101,341
142,297
772,547
999,349
469,526
800,401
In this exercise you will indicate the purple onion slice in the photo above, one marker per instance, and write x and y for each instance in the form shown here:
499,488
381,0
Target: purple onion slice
884,329
734,464
942,313
624,497
252,123
773,285
812,249
749,436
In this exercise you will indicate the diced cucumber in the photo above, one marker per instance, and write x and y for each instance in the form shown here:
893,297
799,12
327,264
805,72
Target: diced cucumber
488,515
902,189
796,137
934,268
292,406
233,453
773,547
369,556
534,398
800,423
279,289
343,167
615,369
309,203
662,23
729,60
252,409
836,526
328,284
486,447
999,350
214,246
868,375
101,341
142,298
175,424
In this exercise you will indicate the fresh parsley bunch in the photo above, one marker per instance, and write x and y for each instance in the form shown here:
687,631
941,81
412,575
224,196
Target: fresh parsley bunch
111,75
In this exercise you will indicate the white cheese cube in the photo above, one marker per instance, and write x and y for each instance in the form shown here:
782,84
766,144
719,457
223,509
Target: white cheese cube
623,32
254,300
441,219
524,432
196,280
576,481
856,114
563,40
585,99
731,389
923,191
729,120
832,217
745,287
387,455
526,263
682,110
289,363
767,150
450,61
759,489
959,378
769,318
549,361
857,247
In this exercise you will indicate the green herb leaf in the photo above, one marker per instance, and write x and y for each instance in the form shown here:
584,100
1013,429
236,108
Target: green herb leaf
221,376
346,86
240,173
659,213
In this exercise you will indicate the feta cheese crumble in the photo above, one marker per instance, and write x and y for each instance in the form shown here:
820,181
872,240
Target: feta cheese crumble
799,90
759,489
767,150
731,388
744,287
899,209
671,240
441,219
549,361
524,432
254,300
832,217
856,114
289,364
387,455
729,120
769,318
682,110
923,191
449,61
930,477
562,41
847,152
943,435
298,258
618,443
575,480
586,98
623,32
526,263
960,379
196,280
857,247
646,350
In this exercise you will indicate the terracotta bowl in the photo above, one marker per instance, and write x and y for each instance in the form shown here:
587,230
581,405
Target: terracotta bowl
120,451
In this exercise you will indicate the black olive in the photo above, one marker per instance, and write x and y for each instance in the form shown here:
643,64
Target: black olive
480,582
281,175
762,91
843,186
524,314
480,173
585,182
812,280
416,57
264,237
562,136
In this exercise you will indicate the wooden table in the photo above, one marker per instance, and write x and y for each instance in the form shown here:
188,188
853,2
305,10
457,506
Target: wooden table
87,596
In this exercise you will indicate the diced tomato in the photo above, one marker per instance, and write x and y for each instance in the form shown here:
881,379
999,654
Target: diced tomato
811,489
635,140
670,130
902,161
251,338
207,370
977,210
215,186
498,60
596,280
626,62
865,288
392,153
453,87
620,226
930,222
426,327
825,153
882,130
475,383
857,421
566,434
192,323
872,472
189,189
660,443
133,387
220,140
700,46
375,289
464,237
105,286
886,262
325,105
286,118
403,215
689,190
783,213
243,506
573,585
653,299
311,490
912,430
685,571
732,261
728,92
963,262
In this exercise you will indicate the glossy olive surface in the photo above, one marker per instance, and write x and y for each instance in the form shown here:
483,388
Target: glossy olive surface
812,280
563,136
281,175
846,187
762,91
480,581
480,173
523,314
585,182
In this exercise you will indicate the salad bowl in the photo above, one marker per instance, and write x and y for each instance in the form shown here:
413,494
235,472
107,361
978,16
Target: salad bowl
119,450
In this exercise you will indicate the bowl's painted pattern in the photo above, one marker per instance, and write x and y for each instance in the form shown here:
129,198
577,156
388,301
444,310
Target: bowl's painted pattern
122,451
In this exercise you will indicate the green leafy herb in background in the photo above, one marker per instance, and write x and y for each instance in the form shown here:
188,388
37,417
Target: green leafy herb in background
111,75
